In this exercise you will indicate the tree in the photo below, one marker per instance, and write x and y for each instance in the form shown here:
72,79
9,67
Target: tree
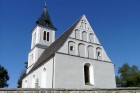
23,74
128,76
4,77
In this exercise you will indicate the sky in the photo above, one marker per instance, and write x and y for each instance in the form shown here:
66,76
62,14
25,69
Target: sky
115,22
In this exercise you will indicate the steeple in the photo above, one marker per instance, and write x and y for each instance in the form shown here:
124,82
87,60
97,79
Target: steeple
45,19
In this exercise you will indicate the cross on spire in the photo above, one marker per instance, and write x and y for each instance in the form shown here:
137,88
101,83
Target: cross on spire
45,3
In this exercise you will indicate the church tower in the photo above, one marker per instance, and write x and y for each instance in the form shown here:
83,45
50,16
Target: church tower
43,35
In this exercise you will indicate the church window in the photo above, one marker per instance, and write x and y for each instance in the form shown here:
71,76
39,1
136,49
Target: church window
33,81
90,52
44,35
91,38
84,36
88,74
48,36
34,39
37,83
43,78
99,53
32,56
71,47
25,86
44,69
81,50
84,24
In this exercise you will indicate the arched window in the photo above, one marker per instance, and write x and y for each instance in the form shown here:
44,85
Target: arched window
84,36
82,24
33,81
44,78
91,38
82,50
99,53
90,52
44,35
77,34
37,83
34,39
48,36
88,74
72,47
25,85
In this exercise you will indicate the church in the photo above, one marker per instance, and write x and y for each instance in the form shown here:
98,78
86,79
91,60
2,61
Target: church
76,60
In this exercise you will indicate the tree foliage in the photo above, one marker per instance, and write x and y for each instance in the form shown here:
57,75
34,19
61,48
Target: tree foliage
23,74
4,77
128,76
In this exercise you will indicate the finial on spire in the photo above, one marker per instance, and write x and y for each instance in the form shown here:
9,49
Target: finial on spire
45,3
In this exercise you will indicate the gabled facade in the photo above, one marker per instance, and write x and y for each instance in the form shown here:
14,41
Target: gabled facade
75,60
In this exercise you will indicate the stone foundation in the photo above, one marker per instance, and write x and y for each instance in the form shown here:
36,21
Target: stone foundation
29,90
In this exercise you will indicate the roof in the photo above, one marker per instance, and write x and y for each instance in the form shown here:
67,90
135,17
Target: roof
45,19
54,47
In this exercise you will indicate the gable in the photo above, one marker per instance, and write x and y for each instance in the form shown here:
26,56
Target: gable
84,30
84,42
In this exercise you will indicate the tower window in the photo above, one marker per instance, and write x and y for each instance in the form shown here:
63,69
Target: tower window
48,36
44,35
34,39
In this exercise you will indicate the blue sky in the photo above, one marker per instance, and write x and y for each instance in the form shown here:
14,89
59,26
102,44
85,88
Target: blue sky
115,22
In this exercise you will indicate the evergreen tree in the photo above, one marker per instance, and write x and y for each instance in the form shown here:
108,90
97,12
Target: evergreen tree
128,76
4,77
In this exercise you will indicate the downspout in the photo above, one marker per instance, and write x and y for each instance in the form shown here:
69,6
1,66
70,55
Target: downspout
53,73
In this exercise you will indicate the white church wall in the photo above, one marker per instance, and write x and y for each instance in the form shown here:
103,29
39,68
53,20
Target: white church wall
31,60
84,52
104,75
30,80
33,57
69,72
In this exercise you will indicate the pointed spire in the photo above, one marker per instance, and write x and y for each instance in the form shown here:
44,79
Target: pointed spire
45,19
